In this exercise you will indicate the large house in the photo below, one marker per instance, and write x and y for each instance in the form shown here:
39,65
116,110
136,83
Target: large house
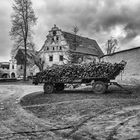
59,45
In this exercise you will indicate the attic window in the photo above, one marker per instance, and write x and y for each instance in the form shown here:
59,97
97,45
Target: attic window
54,33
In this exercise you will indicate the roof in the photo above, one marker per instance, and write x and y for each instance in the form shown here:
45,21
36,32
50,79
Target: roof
127,50
4,63
83,45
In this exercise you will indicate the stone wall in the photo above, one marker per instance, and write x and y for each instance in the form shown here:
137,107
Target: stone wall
131,73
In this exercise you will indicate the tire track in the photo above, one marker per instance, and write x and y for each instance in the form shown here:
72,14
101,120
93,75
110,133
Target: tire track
57,103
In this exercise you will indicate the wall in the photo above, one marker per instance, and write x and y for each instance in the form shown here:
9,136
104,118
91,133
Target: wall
131,74
13,68
55,58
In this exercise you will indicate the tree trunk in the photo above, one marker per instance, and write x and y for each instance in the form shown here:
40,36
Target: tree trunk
25,60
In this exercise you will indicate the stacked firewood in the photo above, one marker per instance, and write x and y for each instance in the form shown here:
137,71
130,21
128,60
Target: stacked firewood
71,72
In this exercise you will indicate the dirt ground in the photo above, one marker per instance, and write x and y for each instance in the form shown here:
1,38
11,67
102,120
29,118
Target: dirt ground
29,114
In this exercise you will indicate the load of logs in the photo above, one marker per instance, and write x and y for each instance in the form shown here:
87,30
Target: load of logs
71,72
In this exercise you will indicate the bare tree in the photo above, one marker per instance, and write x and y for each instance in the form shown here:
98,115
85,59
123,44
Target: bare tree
75,41
23,18
73,57
111,45
38,61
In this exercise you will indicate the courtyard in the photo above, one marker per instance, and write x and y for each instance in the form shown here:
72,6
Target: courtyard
79,114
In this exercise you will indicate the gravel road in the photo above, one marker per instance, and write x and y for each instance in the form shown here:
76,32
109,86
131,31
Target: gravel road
27,113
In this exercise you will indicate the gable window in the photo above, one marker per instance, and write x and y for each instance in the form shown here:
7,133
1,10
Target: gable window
54,33
51,58
61,57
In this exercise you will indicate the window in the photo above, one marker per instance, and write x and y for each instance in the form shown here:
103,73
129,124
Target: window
21,67
12,66
51,58
47,48
54,33
53,48
60,47
57,38
61,58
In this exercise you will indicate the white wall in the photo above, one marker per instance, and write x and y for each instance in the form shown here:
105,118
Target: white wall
13,67
131,74
55,58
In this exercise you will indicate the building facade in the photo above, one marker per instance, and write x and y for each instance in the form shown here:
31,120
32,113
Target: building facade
59,45
8,69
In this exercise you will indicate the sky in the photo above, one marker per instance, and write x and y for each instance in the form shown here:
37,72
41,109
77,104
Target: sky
96,19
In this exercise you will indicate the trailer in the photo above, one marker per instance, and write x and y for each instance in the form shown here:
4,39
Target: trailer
99,84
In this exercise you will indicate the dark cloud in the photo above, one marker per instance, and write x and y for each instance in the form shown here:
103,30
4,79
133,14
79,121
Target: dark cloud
94,17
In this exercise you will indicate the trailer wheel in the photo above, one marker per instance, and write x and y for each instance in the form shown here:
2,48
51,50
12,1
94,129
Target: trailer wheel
99,87
48,88
59,87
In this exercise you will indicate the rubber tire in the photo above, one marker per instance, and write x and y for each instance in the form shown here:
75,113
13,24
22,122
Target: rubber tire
59,87
99,87
48,88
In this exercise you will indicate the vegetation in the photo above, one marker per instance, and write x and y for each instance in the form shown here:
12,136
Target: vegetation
111,45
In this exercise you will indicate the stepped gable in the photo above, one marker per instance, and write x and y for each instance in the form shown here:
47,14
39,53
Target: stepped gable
83,45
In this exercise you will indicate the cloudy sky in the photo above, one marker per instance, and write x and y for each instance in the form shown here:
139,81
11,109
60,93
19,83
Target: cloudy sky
96,19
